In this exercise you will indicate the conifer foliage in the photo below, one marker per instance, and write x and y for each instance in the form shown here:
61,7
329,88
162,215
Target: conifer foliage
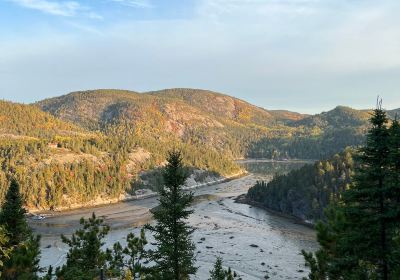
85,258
219,273
360,239
23,248
174,256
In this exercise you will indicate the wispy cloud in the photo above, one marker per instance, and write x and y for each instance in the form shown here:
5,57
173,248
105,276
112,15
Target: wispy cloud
63,8
135,3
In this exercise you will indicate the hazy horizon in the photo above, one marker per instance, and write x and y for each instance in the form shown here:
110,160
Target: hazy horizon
306,56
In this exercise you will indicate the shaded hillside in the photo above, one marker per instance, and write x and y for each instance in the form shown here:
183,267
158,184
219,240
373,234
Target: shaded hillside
304,193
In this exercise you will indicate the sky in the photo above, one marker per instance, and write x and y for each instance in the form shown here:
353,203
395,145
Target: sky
300,55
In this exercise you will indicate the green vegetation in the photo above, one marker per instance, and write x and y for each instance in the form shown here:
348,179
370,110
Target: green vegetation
307,191
360,239
21,252
219,273
174,256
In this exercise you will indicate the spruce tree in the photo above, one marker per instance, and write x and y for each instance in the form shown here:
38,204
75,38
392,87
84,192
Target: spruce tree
219,273
23,261
394,187
361,236
174,256
366,206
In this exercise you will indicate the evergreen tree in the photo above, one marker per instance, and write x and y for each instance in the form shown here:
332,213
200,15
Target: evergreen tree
219,273
5,250
129,261
174,256
360,239
394,220
85,258
137,255
366,207
23,262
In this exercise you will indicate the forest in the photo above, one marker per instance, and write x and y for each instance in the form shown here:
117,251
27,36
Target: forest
306,192
99,144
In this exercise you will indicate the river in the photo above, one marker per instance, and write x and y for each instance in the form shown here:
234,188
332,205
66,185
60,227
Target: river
251,241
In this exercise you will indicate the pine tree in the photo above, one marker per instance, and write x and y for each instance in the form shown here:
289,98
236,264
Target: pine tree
137,255
23,262
131,259
85,258
174,256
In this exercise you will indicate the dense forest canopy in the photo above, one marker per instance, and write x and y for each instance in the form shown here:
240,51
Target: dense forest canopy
307,191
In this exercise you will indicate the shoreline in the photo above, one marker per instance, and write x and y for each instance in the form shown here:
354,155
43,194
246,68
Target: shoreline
242,199
255,160
111,201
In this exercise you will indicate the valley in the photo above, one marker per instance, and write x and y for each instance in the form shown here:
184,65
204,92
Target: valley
252,241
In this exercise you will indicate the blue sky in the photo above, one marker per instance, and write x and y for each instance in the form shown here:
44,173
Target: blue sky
301,55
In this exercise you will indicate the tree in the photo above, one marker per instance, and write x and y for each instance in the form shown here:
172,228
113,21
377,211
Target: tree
219,273
174,256
129,261
366,206
5,250
23,261
360,239
85,258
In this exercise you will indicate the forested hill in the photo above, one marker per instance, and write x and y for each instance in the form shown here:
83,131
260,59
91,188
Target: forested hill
220,122
59,164
305,193
185,106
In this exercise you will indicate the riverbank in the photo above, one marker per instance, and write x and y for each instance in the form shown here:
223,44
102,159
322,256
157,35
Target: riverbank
127,197
242,199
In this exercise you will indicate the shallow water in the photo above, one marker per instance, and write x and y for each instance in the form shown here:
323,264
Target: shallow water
252,241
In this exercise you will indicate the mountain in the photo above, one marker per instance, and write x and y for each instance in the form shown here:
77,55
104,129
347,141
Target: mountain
178,106
100,144
218,121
